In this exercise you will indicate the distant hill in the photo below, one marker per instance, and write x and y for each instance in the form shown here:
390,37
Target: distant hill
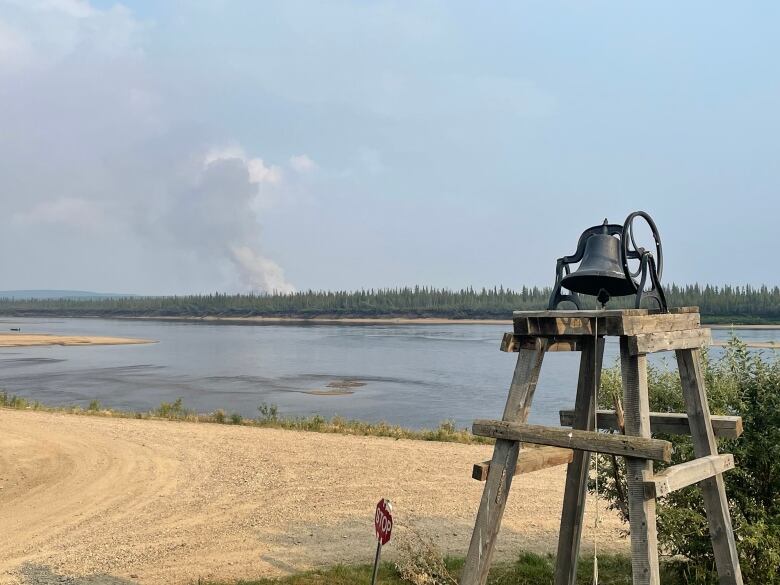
59,294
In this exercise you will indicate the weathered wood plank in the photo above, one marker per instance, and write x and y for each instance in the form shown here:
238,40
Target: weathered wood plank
713,488
635,325
502,470
513,343
603,312
528,461
679,476
584,323
669,341
644,536
575,324
625,446
523,386
670,423
576,489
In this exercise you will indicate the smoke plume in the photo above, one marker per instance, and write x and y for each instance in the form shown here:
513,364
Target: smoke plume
108,172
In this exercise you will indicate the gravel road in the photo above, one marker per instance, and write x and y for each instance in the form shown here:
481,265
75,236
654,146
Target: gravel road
109,501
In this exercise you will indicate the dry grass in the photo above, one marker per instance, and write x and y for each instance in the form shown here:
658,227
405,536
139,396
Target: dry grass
268,418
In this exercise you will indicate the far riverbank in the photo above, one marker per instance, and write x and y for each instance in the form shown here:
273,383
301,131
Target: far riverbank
717,322
385,321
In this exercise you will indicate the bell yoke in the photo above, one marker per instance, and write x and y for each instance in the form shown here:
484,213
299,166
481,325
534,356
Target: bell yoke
603,252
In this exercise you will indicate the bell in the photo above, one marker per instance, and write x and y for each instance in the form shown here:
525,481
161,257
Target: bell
603,254
600,273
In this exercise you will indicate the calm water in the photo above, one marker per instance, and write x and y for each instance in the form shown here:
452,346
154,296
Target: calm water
414,375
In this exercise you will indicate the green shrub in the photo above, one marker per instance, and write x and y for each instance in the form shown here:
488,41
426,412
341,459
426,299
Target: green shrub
13,401
172,410
94,406
219,416
316,422
269,413
236,418
741,383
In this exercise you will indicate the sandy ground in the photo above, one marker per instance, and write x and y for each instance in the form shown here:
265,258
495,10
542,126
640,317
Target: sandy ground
114,501
31,339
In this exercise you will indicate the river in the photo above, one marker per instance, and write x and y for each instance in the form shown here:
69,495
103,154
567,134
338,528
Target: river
412,375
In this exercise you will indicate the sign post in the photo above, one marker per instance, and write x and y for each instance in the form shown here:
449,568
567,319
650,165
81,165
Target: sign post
383,526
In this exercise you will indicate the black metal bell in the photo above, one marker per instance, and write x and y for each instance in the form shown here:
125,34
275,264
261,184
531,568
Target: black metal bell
603,254
601,270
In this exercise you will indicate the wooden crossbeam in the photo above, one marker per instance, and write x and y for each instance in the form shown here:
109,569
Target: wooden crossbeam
622,445
528,461
637,344
514,343
671,423
626,322
669,341
679,476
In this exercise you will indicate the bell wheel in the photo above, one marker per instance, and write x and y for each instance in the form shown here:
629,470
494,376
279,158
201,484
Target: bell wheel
631,251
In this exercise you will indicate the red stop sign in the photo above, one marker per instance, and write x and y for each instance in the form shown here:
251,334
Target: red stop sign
383,521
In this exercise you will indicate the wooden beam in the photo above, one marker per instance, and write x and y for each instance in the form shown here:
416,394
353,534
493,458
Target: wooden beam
670,423
714,488
622,322
528,461
645,569
635,325
502,467
679,476
625,446
669,341
604,312
514,343
576,490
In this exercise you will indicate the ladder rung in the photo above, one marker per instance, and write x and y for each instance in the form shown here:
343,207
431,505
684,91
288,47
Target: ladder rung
623,445
514,343
679,476
529,460
672,423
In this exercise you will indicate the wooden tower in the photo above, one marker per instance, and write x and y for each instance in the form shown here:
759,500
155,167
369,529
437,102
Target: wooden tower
641,331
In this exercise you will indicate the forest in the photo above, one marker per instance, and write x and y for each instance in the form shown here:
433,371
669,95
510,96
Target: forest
718,304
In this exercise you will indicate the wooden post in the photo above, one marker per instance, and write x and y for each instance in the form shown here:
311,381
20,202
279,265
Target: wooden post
502,468
713,488
577,472
644,537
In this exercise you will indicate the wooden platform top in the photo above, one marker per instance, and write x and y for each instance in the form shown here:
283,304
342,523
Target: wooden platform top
604,312
628,322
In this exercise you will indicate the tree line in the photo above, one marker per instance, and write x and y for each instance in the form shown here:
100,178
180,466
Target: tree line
738,304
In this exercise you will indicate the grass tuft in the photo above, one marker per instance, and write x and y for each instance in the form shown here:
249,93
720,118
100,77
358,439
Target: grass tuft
528,569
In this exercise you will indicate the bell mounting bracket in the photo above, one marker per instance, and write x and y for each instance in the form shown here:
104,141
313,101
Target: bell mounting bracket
650,265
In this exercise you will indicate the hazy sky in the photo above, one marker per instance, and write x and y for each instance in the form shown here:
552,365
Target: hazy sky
173,147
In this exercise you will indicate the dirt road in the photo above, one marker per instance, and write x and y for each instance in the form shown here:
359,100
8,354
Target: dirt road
126,501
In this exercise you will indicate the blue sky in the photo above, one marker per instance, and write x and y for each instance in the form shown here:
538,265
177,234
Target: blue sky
160,147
